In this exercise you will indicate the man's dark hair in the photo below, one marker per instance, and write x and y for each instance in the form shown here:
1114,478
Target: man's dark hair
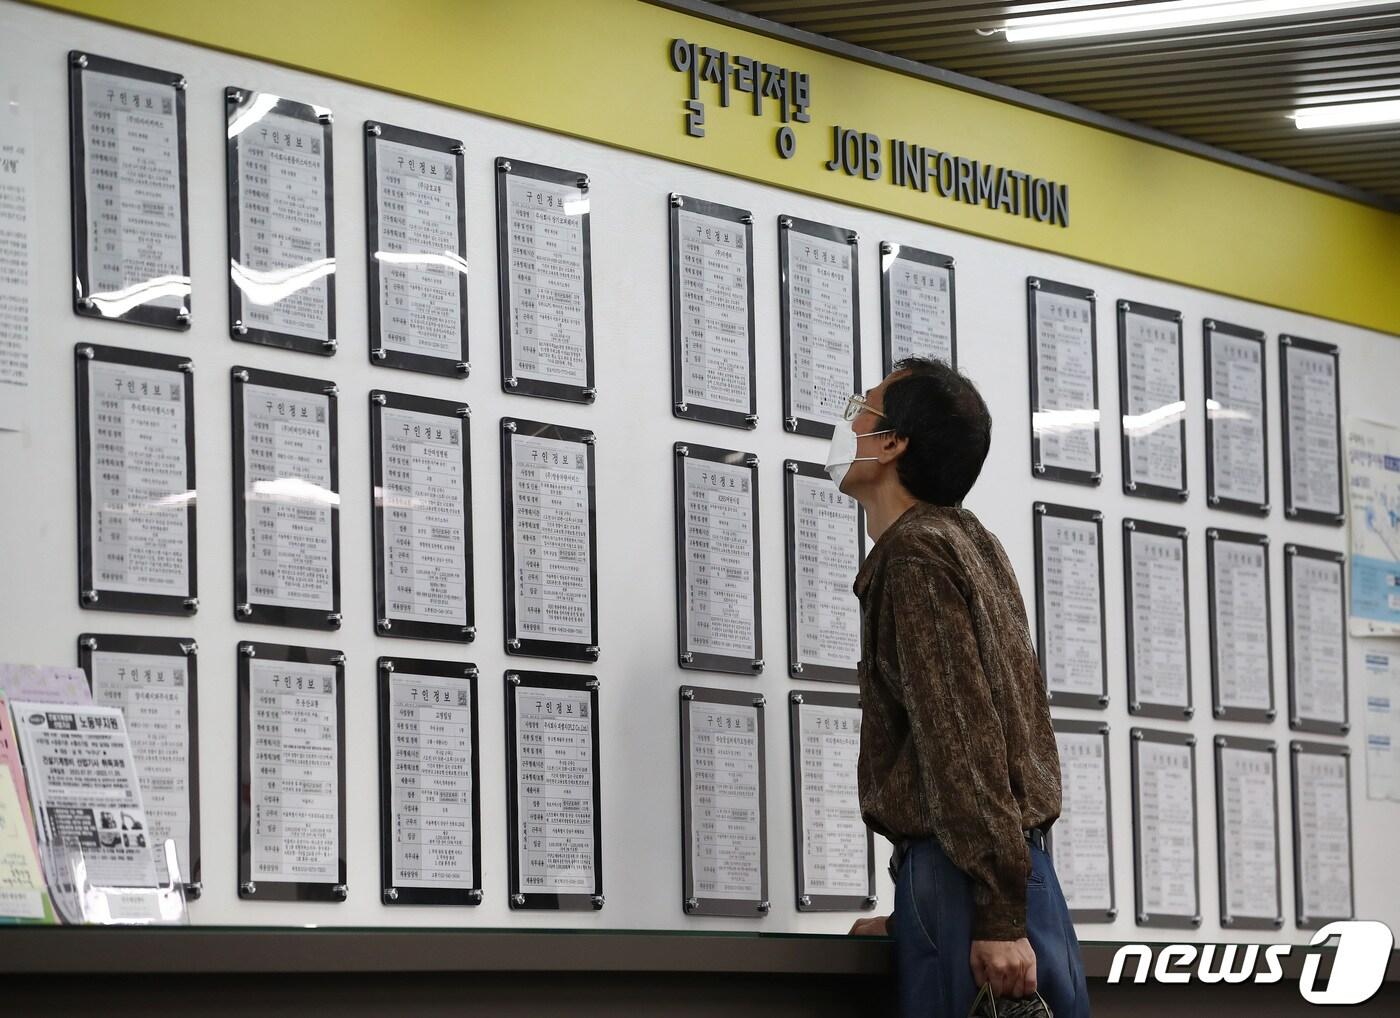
947,424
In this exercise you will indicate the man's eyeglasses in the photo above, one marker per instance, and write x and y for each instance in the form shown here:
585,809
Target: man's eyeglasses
855,405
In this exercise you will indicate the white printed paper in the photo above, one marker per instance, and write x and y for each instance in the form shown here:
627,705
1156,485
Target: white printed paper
721,604
1160,636
550,534
284,221
835,843
422,268
1067,415
1323,824
1080,840
920,311
1382,663
87,800
1240,602
424,502
1071,605
135,225
1373,484
16,261
152,691
1155,408
431,774
138,471
1236,412
295,797
1314,458
726,816
1249,832
714,312
826,557
290,498
554,790
547,279
821,327
1319,640
1166,829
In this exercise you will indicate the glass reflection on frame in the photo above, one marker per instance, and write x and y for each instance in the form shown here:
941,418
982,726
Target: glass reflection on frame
281,225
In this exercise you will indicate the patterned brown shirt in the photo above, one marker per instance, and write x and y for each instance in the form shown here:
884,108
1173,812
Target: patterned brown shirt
956,740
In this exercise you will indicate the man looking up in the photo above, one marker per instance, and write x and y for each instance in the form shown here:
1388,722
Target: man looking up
958,764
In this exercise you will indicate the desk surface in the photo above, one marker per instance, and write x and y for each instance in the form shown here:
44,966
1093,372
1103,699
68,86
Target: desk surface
35,950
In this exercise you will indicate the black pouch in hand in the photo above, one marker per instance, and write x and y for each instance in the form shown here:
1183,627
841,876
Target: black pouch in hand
987,1006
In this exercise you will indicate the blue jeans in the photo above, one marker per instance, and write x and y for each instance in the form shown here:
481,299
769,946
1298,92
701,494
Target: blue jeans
932,928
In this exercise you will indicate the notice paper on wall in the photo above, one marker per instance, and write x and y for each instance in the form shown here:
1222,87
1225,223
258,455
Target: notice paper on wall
556,808
918,305
825,554
821,324
1066,417
1082,842
546,286
1322,833
289,541
721,592
725,797
834,843
1373,483
715,286
1247,813
296,801
1317,671
431,802
1312,458
129,193
1069,586
551,515
548,249
16,258
1155,403
282,246
136,448
1241,662
416,249
1381,664
1237,460
285,476
1159,660
155,693
1164,800
422,486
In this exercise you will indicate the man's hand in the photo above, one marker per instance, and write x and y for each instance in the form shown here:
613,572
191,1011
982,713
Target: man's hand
871,926
1009,965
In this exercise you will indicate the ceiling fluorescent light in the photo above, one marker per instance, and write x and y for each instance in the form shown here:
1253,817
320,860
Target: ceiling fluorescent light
1161,16
1348,115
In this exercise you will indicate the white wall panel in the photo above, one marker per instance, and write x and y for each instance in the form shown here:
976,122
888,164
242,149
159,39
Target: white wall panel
40,618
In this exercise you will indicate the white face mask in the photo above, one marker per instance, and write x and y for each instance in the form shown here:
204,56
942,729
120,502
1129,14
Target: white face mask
842,452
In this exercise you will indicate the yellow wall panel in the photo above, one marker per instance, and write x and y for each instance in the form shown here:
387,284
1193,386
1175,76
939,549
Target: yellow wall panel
600,69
